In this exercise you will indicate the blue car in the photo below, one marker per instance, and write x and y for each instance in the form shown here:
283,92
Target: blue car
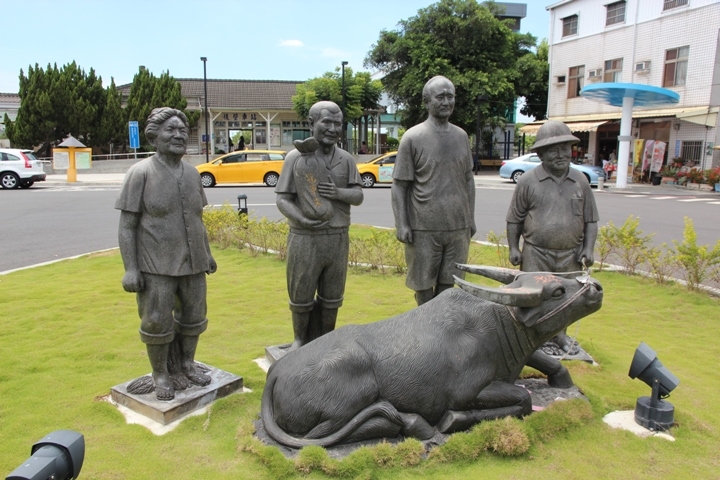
514,168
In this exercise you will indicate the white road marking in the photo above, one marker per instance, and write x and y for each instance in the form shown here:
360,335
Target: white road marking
694,200
634,196
661,198
714,203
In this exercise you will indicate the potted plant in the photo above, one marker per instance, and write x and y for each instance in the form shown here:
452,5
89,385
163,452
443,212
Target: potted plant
695,177
669,174
677,162
712,177
681,177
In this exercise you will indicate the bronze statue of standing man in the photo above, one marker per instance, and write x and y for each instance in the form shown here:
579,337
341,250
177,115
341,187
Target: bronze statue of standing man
553,209
433,195
318,184
166,254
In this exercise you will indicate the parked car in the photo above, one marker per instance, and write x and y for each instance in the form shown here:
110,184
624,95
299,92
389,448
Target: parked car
19,168
514,168
245,166
377,170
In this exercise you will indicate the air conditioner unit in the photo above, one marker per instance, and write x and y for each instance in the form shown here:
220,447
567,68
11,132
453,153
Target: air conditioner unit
641,67
595,74
560,80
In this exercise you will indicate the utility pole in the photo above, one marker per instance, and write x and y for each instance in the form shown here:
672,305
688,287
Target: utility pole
344,122
207,127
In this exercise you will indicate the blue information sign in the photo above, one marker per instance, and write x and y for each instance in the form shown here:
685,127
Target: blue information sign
134,134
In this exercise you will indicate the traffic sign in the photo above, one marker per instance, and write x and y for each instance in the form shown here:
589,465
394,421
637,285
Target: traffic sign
134,134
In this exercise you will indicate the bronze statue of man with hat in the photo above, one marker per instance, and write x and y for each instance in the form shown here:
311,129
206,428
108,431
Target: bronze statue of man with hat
553,209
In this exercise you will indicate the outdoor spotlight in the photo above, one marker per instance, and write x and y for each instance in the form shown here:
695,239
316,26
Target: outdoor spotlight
242,204
58,456
652,412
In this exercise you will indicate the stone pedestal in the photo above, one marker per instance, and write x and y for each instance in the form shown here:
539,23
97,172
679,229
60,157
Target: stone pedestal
276,352
194,397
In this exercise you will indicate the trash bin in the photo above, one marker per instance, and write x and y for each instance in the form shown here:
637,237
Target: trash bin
656,178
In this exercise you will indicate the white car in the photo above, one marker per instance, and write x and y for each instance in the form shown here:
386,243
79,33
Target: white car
19,168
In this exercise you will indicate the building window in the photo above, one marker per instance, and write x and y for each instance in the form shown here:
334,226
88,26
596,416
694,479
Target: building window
613,70
260,136
570,25
692,151
668,4
676,62
575,81
290,135
615,13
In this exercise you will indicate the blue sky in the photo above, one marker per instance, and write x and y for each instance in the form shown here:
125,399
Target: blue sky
255,40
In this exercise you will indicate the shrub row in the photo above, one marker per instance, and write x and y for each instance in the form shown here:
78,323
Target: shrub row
632,251
625,246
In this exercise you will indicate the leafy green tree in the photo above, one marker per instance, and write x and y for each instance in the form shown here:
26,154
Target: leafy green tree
148,92
112,127
361,92
534,71
55,103
35,123
462,40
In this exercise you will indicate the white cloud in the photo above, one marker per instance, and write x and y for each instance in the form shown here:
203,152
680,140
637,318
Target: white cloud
290,43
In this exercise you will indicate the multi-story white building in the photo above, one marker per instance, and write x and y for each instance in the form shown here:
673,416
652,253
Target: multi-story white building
673,44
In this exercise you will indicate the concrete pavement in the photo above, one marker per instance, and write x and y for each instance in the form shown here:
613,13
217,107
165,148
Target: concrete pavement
485,178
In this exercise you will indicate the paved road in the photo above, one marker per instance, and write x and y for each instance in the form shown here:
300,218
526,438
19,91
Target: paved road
55,220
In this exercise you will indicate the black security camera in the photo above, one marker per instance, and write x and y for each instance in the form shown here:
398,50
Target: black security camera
59,456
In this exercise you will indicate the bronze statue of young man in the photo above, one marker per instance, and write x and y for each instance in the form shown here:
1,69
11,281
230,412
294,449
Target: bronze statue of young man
165,251
319,183
433,195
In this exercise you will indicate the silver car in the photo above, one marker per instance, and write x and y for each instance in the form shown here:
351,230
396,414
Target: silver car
514,168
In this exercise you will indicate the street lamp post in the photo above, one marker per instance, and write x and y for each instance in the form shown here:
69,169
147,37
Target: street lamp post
344,124
207,127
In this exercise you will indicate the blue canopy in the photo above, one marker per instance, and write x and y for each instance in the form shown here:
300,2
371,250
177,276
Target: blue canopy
645,95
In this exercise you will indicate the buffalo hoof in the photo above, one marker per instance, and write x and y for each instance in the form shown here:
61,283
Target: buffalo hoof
562,379
454,421
415,426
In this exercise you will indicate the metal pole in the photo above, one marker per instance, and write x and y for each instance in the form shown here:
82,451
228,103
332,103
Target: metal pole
207,127
344,122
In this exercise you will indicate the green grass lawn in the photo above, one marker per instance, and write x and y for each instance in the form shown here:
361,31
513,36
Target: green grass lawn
69,333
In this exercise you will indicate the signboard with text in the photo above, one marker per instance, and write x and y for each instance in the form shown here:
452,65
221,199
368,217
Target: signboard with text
134,134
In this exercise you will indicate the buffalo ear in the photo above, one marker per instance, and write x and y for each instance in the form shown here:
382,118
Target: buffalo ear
512,297
502,275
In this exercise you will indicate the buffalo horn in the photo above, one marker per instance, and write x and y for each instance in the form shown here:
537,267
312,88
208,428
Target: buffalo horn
512,297
502,275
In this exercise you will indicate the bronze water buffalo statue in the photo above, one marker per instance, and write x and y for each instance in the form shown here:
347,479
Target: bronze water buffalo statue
440,367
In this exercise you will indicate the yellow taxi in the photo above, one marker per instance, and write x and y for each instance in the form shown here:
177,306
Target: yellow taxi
377,170
244,166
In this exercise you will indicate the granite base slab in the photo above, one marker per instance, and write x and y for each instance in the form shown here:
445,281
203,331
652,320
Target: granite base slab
276,352
186,401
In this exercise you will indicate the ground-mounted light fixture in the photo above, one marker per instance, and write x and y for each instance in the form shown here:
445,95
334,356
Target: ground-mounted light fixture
652,412
59,455
242,204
